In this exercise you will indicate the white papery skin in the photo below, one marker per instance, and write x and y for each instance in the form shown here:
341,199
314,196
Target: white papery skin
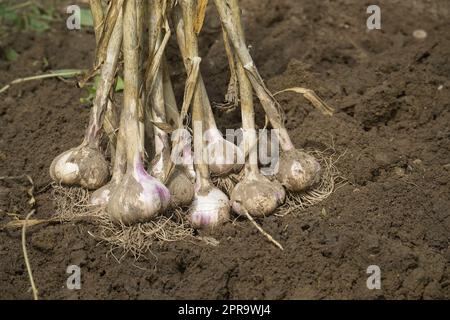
101,196
81,166
224,157
185,143
188,161
209,209
138,198
63,170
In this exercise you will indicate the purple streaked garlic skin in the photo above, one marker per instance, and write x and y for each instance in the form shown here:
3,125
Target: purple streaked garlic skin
297,170
209,209
81,166
138,198
257,195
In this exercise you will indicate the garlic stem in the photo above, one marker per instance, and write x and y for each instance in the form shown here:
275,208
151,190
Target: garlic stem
190,53
129,122
231,95
270,105
179,143
162,154
255,194
141,25
108,73
110,122
139,197
210,207
246,99
223,156
97,16
110,20
180,30
172,113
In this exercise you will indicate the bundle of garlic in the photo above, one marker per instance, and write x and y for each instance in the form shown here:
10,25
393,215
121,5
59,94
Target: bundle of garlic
180,167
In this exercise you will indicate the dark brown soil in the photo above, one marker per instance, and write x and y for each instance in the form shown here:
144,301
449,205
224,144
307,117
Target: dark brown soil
391,93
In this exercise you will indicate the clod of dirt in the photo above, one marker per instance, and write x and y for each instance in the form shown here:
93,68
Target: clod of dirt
44,240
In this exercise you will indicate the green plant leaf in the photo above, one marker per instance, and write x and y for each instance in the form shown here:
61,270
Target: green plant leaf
45,62
91,90
9,16
86,18
27,16
38,25
11,54
119,85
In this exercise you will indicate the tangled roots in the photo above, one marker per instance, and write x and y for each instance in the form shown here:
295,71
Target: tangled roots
138,239
331,180
227,183
72,204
